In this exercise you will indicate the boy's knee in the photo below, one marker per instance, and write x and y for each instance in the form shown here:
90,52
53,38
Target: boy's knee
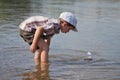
36,58
38,53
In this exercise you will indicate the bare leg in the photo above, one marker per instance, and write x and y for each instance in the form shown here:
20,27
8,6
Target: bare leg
44,51
37,56
44,56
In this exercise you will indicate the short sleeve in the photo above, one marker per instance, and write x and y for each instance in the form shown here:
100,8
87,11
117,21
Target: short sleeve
51,27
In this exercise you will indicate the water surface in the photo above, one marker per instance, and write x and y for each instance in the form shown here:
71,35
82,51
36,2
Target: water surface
98,26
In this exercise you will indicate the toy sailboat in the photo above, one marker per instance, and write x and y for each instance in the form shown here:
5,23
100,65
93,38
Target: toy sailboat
89,56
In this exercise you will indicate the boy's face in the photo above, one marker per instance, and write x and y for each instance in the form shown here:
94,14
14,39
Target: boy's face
65,27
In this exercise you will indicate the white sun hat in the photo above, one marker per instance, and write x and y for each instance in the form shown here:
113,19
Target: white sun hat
70,18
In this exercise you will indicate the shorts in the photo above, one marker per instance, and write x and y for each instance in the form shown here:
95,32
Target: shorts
27,36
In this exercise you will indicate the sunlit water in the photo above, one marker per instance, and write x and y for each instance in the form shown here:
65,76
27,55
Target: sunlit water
98,26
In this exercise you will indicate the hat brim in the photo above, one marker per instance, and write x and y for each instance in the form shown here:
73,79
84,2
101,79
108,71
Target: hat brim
75,29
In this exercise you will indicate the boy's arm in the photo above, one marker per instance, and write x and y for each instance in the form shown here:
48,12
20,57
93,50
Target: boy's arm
37,35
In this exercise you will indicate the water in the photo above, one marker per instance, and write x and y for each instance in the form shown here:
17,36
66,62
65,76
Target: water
98,26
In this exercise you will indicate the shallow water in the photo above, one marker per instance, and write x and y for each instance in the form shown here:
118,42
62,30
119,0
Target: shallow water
98,26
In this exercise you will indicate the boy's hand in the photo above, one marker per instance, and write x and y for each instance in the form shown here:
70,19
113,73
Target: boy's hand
37,35
32,48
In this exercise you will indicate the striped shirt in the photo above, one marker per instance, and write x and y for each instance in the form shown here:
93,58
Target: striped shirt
51,26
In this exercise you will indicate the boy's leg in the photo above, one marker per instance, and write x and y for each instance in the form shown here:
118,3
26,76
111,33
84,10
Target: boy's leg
45,49
37,56
44,56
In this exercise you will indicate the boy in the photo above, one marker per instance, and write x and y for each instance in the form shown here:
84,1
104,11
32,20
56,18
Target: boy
38,30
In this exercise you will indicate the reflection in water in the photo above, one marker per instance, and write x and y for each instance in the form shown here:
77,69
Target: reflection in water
11,10
41,73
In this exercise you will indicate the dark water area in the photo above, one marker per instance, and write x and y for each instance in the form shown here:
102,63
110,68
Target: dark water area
98,33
